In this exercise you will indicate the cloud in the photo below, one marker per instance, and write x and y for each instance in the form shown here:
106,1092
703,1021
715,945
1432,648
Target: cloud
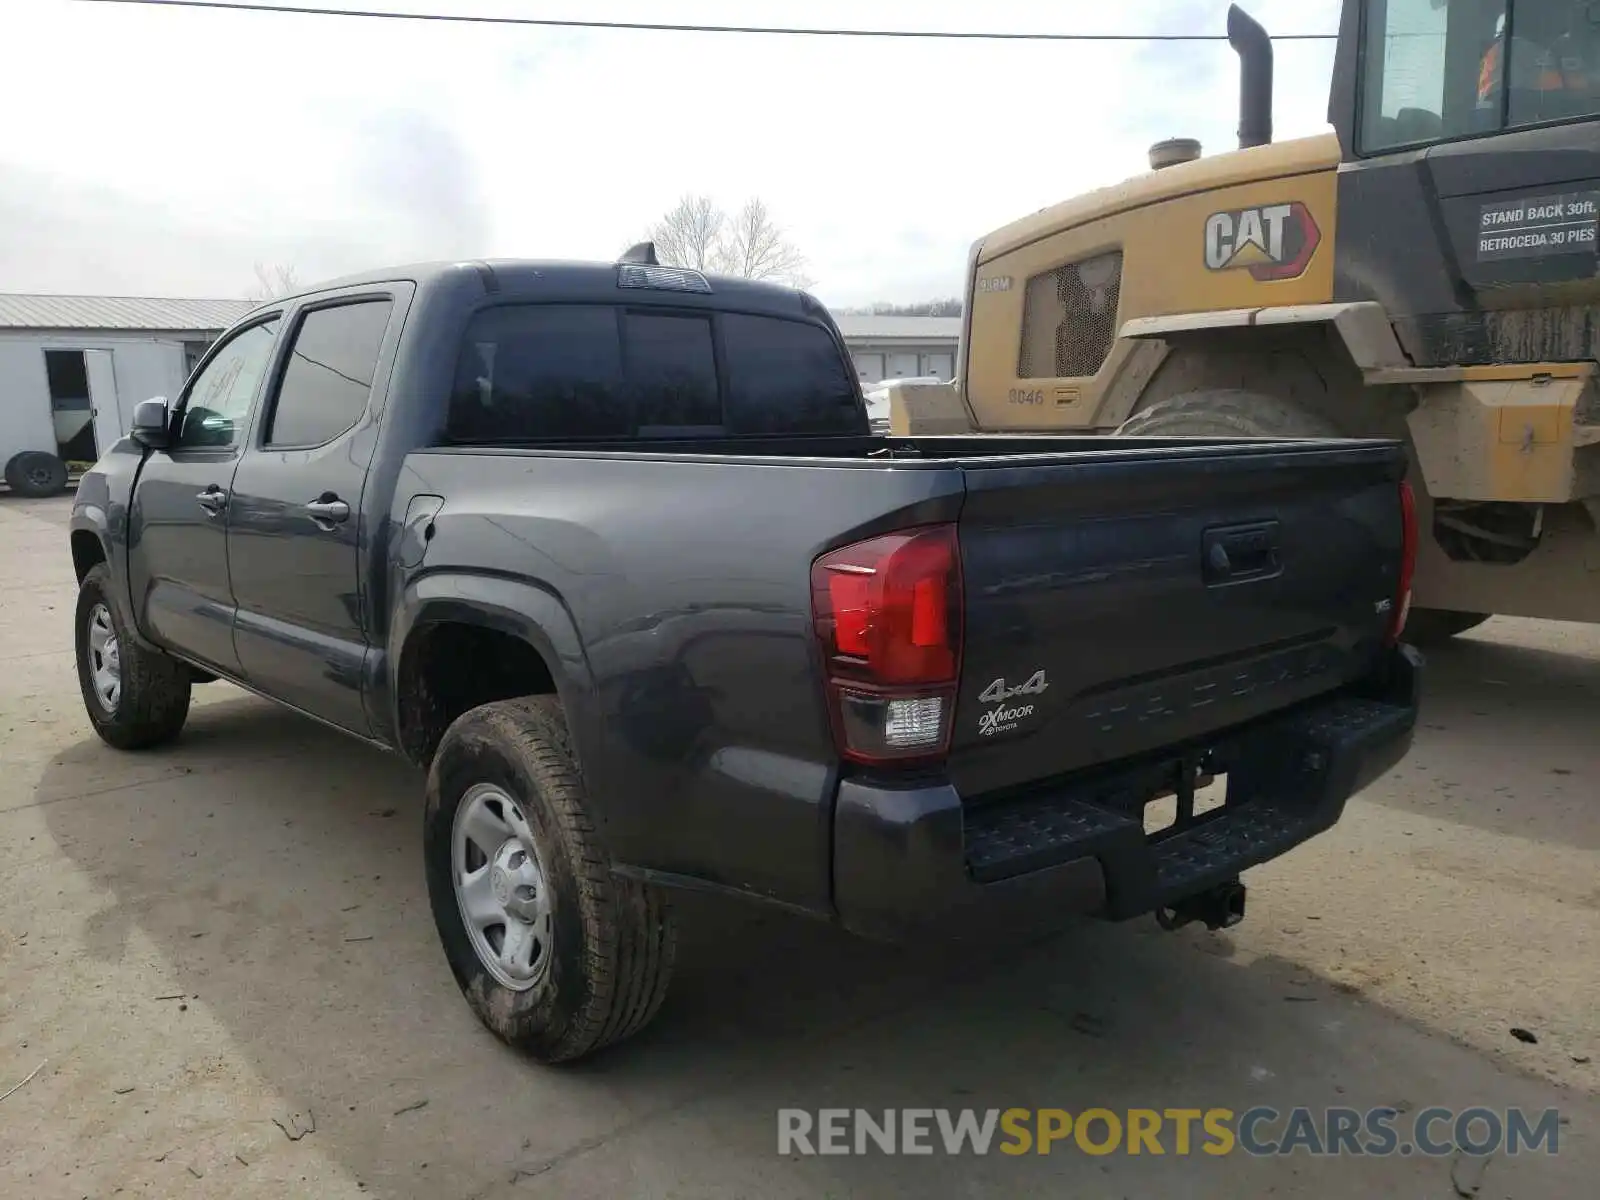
62,235
182,146
412,168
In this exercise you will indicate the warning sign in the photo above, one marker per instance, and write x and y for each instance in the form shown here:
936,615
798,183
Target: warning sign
1538,225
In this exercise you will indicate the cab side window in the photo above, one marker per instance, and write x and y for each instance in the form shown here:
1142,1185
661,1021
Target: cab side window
217,408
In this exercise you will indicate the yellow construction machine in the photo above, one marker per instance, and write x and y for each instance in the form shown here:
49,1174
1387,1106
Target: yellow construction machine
1426,270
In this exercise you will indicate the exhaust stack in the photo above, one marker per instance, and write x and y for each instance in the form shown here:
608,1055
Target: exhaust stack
1254,48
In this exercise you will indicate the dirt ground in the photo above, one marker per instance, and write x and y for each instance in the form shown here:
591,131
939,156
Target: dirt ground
219,962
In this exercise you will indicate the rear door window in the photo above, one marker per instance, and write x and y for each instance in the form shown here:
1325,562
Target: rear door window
328,379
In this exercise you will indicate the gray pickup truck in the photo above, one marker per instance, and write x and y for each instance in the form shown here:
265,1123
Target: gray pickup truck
610,551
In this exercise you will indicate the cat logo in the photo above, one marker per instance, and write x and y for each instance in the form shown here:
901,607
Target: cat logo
1275,241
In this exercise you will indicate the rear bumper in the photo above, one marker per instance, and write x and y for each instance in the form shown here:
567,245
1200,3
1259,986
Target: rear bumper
914,856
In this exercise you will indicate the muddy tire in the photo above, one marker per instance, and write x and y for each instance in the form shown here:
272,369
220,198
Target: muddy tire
556,956
136,697
35,474
1226,412
1429,626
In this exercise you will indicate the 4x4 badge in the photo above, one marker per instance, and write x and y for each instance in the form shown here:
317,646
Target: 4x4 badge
997,692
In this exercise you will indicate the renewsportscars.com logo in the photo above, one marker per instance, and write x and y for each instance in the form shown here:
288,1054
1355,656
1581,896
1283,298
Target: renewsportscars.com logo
1261,1131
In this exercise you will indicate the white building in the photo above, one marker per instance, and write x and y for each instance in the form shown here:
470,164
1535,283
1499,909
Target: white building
901,347
73,367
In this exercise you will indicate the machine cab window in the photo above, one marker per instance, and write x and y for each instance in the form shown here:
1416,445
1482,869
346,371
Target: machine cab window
1435,70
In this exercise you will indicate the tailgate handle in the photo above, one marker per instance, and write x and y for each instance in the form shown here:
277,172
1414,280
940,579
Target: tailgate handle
1239,553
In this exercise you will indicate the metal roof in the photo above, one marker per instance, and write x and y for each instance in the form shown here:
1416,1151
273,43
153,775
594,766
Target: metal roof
159,314
898,329
20,311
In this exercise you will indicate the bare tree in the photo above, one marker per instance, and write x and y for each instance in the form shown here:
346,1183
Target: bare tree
757,248
279,280
924,308
700,235
689,235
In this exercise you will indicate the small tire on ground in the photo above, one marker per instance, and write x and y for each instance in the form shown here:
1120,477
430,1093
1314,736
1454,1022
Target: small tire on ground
1429,626
35,474
1226,412
154,701
614,939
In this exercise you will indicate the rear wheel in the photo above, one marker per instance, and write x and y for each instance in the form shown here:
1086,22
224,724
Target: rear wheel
556,955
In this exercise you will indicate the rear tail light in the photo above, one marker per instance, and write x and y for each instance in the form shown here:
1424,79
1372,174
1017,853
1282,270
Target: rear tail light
888,619
1408,562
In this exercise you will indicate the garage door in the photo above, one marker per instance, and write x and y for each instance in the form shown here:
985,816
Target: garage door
869,367
902,366
939,365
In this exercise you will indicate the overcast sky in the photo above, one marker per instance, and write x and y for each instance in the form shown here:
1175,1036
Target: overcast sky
165,152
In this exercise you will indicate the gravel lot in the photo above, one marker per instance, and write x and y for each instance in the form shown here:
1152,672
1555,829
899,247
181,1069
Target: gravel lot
204,945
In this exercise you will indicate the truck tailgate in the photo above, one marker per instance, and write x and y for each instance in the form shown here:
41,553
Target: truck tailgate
1136,599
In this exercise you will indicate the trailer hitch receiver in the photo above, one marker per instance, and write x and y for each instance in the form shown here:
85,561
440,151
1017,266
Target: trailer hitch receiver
1218,907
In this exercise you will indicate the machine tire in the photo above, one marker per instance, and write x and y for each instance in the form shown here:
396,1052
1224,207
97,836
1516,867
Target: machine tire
611,941
35,474
1226,412
1429,626
153,700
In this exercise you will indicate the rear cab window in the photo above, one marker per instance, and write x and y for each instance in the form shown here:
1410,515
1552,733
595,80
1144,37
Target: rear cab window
569,372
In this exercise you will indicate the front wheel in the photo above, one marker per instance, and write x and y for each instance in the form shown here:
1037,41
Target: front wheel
555,955
1226,412
136,697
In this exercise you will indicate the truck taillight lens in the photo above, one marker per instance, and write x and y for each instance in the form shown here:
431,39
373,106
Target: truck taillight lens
888,618
1408,562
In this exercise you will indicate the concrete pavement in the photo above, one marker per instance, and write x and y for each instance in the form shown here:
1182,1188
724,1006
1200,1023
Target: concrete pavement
215,947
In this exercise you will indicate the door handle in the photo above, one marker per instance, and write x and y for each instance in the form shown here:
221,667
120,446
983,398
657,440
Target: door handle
213,499
328,510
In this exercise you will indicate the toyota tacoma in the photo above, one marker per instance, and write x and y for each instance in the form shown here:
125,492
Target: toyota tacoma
611,552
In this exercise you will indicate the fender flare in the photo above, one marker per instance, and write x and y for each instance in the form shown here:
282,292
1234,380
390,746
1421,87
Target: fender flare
94,519
91,519
523,609
1362,325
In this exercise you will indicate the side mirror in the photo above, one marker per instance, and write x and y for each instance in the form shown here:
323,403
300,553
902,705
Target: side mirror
152,422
